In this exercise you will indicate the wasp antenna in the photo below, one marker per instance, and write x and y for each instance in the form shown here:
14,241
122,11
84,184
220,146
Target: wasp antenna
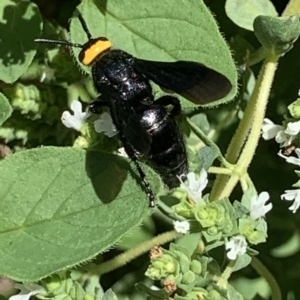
84,26
58,42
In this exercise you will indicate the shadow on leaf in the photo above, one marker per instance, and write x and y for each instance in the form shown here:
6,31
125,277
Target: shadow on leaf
107,173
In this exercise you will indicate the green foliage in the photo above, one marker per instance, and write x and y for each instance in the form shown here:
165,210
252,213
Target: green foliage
65,197
142,33
70,215
294,109
5,109
243,13
17,45
277,34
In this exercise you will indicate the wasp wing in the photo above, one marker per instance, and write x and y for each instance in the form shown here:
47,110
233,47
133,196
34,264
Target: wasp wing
193,81
129,125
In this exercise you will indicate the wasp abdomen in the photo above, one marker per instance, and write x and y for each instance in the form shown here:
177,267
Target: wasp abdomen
167,154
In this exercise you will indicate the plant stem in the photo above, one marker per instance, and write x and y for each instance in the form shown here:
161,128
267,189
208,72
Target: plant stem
254,116
257,56
264,272
292,8
131,254
219,170
223,279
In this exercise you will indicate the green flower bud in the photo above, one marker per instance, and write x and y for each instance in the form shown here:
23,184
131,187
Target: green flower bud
247,228
208,215
277,34
184,209
161,267
196,266
257,237
196,294
203,214
171,277
53,283
153,273
89,297
77,292
212,230
179,193
294,109
188,277
220,221
228,226
214,295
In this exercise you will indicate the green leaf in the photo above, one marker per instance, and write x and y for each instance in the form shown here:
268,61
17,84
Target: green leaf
242,262
243,13
62,206
294,109
277,34
109,295
289,248
207,155
20,24
247,197
256,289
201,121
137,235
151,30
233,294
5,109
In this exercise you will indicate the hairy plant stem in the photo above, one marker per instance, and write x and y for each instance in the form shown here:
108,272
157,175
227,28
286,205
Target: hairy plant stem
293,8
248,132
219,170
223,279
133,253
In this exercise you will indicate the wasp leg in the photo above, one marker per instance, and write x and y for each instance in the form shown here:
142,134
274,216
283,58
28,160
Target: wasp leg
130,152
96,106
169,100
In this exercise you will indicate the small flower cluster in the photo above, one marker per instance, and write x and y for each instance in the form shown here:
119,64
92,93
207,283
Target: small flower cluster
288,136
59,286
181,274
185,274
251,224
218,221
36,111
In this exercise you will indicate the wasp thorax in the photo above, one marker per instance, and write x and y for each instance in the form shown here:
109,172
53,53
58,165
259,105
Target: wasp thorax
93,49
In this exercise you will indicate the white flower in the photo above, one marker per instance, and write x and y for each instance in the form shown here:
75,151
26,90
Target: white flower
237,246
181,226
292,195
283,136
270,130
122,152
195,187
293,128
105,125
48,74
258,205
291,159
286,137
76,120
26,291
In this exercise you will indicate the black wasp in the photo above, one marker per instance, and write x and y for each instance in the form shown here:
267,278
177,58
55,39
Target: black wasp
147,128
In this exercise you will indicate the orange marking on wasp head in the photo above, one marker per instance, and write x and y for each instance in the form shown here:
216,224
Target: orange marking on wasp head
94,50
